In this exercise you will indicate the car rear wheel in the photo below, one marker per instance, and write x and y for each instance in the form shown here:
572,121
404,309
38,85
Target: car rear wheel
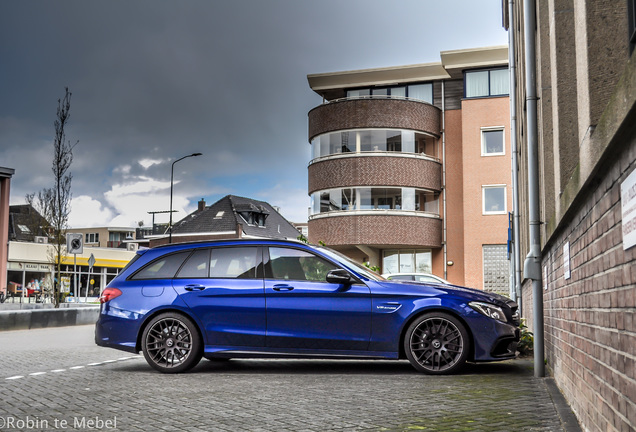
437,343
171,343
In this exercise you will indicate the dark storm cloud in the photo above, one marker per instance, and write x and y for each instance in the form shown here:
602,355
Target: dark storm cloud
160,79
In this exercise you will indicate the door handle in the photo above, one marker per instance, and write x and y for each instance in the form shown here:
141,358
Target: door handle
194,287
282,287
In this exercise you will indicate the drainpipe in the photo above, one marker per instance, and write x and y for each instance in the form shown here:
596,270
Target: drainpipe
532,264
515,159
444,223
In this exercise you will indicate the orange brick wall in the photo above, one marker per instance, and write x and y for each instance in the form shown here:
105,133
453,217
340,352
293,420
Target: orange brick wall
454,202
481,170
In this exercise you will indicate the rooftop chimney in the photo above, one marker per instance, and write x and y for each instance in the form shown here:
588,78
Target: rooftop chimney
201,204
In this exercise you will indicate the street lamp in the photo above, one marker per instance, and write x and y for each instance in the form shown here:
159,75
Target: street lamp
171,187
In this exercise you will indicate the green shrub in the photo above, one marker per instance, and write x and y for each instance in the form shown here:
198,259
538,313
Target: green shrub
526,341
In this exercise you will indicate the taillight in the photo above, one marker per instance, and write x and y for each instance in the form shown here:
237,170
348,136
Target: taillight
108,294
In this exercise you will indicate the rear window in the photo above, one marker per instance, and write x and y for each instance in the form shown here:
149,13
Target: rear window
234,263
162,268
196,266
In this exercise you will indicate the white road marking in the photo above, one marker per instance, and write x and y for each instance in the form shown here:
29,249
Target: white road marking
15,377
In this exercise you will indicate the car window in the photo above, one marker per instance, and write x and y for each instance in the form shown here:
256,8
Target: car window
359,268
401,277
196,266
234,262
426,279
294,264
162,268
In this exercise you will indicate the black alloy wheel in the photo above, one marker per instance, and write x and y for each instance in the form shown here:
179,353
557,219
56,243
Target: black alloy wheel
437,343
171,343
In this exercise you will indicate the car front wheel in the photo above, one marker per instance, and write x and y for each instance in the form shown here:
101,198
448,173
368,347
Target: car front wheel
171,343
436,343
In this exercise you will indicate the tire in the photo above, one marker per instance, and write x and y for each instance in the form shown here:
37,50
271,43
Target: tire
437,343
171,343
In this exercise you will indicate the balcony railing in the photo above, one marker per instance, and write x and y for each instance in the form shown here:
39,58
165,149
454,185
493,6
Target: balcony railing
325,102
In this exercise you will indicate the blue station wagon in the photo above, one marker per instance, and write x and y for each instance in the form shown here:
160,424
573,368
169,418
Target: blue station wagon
276,298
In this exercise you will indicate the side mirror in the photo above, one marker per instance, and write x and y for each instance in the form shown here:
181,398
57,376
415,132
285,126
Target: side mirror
339,276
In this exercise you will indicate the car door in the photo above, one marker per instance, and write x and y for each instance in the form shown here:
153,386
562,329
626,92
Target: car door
225,291
304,311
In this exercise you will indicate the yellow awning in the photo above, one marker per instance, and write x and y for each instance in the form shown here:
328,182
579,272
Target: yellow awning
99,262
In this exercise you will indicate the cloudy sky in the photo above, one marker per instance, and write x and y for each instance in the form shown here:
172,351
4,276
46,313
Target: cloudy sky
154,80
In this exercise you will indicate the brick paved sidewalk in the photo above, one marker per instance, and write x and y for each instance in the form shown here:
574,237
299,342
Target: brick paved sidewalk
61,375
290,395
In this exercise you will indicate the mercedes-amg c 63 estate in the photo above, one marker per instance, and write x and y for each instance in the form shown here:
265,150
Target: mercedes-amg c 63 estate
273,298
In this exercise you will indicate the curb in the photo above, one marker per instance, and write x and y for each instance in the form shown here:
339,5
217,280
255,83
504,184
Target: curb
42,318
567,417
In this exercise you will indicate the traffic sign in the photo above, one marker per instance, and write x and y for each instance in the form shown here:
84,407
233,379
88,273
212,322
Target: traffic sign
74,243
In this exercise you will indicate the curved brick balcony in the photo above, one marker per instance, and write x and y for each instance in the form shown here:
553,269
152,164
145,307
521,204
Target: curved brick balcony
375,169
376,228
374,113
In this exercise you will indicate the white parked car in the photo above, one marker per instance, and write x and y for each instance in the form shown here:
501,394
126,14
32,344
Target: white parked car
417,277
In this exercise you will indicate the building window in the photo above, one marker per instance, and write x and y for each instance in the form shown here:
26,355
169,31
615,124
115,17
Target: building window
485,83
492,142
24,229
254,218
375,198
92,238
373,140
496,269
494,199
407,261
420,92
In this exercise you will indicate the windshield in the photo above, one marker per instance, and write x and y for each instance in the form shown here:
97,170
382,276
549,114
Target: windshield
360,269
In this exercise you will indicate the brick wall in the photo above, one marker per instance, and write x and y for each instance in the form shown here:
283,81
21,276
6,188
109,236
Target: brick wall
375,171
377,230
590,322
374,113
479,170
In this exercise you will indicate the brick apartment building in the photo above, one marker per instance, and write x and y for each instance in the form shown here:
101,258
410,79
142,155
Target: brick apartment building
5,189
411,166
586,138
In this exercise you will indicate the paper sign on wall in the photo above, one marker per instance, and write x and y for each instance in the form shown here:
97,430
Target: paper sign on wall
566,261
628,207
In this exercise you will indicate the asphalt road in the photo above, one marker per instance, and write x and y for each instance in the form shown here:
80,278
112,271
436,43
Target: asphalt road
58,379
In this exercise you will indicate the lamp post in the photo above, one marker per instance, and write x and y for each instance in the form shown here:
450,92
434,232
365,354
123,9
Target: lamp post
171,187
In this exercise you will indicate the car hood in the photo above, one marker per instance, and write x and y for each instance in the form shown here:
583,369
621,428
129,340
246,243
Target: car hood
472,293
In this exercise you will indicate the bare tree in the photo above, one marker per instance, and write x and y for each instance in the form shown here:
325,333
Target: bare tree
54,203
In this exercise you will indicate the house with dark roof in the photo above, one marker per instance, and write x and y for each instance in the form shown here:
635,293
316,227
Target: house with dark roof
26,224
231,217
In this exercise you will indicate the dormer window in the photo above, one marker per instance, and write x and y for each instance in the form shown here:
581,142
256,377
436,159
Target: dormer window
254,218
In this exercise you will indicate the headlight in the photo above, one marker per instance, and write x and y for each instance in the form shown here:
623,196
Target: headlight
489,310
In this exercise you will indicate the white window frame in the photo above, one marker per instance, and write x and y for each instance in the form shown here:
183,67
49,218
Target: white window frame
92,238
483,199
503,140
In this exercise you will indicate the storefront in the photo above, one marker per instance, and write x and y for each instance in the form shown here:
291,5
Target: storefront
30,269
